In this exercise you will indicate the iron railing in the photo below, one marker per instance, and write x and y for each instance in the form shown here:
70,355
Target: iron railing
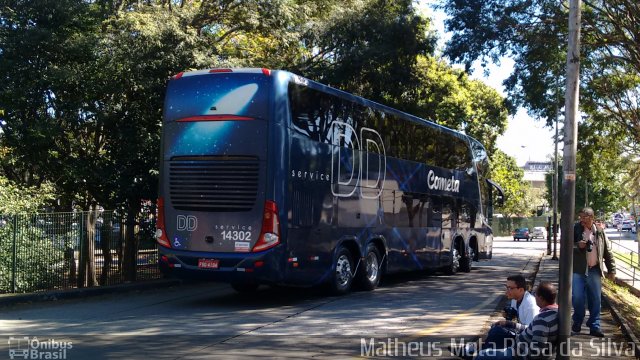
627,265
48,251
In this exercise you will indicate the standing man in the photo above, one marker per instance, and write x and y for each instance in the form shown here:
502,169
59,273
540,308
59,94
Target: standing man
590,248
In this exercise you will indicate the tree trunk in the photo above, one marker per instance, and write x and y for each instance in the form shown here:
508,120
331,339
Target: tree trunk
105,244
130,251
90,248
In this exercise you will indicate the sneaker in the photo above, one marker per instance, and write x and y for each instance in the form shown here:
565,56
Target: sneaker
596,333
575,329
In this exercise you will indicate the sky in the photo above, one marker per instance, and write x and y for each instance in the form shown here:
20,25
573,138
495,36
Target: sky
526,138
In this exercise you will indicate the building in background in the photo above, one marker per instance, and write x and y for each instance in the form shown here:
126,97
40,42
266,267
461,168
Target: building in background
534,174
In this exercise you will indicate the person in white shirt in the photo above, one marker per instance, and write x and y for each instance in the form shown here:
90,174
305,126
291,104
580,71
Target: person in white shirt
504,332
522,300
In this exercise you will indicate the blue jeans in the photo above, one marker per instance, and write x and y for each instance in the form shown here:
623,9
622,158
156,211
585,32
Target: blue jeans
497,338
586,287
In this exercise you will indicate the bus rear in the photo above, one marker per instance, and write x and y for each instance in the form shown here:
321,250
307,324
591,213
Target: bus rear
216,219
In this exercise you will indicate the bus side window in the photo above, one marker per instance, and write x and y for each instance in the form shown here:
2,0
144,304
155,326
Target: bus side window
435,211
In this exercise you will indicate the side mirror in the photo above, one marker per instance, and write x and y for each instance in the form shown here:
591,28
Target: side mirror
499,199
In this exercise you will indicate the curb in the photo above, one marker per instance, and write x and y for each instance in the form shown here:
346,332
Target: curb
14,299
624,326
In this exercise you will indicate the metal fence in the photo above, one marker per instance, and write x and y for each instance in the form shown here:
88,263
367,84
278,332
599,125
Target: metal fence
48,251
627,264
504,226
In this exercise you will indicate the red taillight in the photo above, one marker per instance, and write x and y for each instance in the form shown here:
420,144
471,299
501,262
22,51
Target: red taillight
214,118
266,71
270,233
178,75
161,234
212,71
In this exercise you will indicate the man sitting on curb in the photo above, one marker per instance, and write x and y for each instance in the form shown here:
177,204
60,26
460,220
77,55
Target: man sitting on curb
539,339
505,331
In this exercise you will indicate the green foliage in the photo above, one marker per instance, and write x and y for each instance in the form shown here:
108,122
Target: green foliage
599,166
534,33
15,199
369,49
39,263
506,172
84,81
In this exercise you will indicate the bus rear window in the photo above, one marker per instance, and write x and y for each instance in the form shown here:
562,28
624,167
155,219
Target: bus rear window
239,94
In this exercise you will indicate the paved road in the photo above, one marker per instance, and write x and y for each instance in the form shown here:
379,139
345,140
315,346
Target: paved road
212,321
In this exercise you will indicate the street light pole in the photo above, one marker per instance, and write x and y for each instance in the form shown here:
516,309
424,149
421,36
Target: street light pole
586,193
555,184
569,178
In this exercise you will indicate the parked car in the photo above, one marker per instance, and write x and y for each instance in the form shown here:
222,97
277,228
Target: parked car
521,233
627,225
539,232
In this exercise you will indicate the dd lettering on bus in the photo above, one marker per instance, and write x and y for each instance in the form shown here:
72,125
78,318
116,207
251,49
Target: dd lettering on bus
186,222
372,161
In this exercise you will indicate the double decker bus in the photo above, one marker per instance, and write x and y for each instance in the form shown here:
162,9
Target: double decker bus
267,177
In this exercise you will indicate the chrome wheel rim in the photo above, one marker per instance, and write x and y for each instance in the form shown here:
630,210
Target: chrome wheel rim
372,267
343,270
456,260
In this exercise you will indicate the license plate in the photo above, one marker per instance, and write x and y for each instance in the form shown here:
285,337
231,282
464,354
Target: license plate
208,263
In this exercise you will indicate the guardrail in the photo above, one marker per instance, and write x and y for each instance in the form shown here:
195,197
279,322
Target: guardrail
627,263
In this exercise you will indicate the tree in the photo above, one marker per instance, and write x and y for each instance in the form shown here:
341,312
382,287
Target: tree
84,80
598,167
15,199
534,33
509,176
43,47
450,98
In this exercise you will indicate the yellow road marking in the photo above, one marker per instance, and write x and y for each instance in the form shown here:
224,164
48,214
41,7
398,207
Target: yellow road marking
454,319
444,324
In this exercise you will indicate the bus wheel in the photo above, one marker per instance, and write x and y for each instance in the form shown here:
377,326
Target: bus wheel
370,270
343,272
245,287
455,262
466,264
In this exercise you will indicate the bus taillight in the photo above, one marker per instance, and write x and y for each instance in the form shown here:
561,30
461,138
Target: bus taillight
270,233
161,234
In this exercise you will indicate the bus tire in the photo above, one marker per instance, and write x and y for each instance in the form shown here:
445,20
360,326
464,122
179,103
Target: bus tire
342,276
454,266
370,269
245,287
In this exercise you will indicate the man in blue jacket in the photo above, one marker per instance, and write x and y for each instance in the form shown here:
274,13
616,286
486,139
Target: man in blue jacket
591,249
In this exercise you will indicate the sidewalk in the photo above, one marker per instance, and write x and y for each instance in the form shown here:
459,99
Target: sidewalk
613,346
14,299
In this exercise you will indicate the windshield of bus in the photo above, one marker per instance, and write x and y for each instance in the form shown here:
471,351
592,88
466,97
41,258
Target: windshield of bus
238,94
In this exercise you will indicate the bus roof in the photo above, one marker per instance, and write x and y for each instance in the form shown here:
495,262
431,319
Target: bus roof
326,88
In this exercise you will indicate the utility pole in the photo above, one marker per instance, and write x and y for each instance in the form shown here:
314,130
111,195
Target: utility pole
554,186
569,184
586,193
